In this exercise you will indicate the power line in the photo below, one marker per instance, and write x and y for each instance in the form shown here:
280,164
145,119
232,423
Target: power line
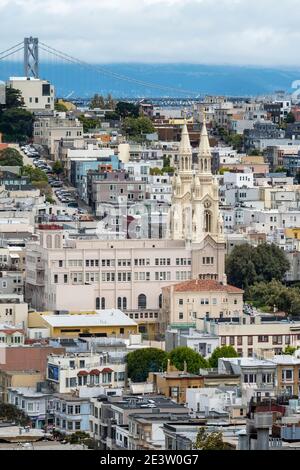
117,76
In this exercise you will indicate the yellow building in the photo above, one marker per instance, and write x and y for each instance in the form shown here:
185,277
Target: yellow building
102,323
292,233
10,378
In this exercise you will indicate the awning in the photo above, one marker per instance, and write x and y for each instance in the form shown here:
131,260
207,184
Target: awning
95,372
14,256
106,370
83,372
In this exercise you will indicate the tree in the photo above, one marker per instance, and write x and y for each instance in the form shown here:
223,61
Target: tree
11,413
89,123
289,350
35,174
194,361
13,99
58,168
266,295
136,127
247,265
60,107
290,118
210,441
143,361
78,437
110,102
223,351
155,171
10,157
125,109
280,169
16,124
97,102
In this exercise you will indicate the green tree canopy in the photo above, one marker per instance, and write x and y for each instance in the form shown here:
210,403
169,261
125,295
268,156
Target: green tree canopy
35,174
11,413
60,107
97,102
289,350
224,351
290,118
16,124
13,99
124,109
210,441
274,293
58,168
136,127
10,157
143,361
247,265
193,360
89,123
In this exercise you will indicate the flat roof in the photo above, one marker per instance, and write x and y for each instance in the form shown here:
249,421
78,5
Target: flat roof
110,317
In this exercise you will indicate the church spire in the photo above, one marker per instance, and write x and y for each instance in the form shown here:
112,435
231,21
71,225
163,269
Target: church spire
204,153
185,150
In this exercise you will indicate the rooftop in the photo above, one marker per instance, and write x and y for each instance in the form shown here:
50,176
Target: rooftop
204,285
110,317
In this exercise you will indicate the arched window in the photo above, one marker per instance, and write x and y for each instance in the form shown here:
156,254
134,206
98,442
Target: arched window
142,301
160,301
102,303
57,241
98,303
124,303
119,302
49,241
207,221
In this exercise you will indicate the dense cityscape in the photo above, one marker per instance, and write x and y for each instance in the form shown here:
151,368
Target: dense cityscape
149,270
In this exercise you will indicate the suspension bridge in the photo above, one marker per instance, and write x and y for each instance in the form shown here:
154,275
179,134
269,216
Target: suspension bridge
78,80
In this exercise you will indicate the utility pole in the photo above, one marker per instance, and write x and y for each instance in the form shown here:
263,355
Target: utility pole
31,57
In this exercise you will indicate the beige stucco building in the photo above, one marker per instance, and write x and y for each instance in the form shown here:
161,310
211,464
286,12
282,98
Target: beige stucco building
253,335
186,302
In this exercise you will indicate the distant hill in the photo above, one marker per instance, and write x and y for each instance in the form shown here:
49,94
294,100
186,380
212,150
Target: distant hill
203,79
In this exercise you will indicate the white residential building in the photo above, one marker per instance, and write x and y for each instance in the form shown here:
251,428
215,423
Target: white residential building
37,94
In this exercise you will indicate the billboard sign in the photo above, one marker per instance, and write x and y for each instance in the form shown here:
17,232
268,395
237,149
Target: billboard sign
53,373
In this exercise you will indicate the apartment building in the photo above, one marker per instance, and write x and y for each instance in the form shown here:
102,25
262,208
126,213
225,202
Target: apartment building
186,302
11,335
252,335
72,372
37,405
70,413
110,416
13,310
37,94
50,129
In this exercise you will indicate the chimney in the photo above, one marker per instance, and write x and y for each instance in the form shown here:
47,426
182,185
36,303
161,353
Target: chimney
169,366
185,367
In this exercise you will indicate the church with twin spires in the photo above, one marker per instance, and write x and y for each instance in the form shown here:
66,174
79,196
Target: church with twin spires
195,216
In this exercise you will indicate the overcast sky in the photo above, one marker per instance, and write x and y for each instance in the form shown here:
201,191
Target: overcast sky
255,32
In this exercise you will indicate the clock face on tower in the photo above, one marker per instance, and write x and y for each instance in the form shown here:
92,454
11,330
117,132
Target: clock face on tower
207,204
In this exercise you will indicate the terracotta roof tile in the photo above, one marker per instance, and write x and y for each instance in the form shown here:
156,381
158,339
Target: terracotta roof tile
201,285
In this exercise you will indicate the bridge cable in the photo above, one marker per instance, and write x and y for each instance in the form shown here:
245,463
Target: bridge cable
101,70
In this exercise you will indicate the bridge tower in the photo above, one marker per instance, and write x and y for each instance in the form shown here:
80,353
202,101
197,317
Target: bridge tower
31,57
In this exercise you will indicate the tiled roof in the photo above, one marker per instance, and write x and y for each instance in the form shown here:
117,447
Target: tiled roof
205,285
